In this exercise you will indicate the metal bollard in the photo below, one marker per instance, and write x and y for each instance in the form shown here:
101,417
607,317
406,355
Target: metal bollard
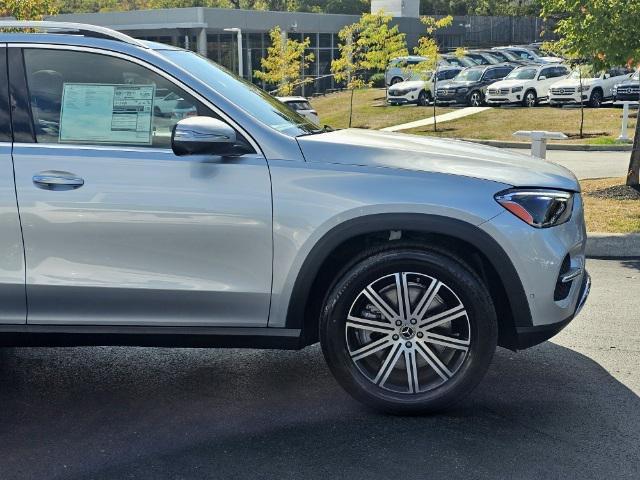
539,140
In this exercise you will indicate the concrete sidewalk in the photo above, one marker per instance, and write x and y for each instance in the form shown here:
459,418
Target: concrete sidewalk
590,164
445,117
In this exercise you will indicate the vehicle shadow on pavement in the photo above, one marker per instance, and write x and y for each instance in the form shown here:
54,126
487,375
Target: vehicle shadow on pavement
632,263
115,413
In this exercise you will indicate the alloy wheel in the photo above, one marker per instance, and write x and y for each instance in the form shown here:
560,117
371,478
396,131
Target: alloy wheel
475,100
408,333
530,99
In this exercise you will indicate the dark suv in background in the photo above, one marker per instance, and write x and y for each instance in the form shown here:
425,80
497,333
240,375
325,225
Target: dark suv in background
628,90
470,85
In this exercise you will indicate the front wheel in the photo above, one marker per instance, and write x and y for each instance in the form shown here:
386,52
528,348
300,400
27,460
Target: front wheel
530,99
409,330
424,98
595,101
475,99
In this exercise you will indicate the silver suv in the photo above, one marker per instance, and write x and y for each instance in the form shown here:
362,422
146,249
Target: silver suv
229,220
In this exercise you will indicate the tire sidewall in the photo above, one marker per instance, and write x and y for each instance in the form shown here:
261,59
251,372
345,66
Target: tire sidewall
470,291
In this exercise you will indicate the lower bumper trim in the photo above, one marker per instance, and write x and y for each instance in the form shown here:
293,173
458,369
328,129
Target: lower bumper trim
531,336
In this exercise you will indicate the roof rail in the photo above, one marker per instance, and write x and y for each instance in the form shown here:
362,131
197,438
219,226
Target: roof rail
80,28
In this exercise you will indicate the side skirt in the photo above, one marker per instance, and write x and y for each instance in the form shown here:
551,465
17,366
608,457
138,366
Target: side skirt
141,336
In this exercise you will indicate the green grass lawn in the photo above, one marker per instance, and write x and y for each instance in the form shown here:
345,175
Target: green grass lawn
602,126
369,110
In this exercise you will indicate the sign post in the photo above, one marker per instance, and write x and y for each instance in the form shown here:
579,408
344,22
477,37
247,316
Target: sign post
539,140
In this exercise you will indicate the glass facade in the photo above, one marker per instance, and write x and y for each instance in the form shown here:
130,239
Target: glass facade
223,49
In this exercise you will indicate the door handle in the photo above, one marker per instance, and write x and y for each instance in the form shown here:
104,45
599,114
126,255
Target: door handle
55,180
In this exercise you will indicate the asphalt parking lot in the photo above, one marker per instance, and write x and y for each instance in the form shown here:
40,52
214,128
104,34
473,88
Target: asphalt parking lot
566,409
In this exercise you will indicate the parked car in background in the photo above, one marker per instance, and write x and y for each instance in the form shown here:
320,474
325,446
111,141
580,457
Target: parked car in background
595,89
419,92
505,57
408,258
398,71
470,85
528,85
628,90
482,58
457,61
172,105
529,55
301,106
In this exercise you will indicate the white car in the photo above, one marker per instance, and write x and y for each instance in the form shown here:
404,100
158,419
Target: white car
595,89
302,106
172,105
398,72
527,85
529,55
419,92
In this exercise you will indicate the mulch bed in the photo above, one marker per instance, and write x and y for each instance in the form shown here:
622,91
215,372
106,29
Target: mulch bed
617,192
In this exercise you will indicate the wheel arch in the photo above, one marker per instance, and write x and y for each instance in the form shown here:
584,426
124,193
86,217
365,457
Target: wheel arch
462,239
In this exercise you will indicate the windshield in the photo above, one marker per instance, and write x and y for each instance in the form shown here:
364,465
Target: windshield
587,72
460,61
522,74
253,100
471,75
636,76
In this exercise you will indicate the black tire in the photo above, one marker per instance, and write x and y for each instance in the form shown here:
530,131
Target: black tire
424,98
595,100
475,99
479,317
395,80
530,99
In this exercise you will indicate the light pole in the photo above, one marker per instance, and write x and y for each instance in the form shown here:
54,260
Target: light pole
239,35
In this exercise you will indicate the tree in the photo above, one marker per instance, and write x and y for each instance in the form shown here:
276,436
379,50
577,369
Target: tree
284,62
366,47
379,42
29,9
604,32
428,48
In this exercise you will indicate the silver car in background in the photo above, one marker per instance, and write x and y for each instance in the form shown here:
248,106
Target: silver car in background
409,258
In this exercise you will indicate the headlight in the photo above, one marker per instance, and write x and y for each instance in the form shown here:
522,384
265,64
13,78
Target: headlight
415,89
463,89
584,88
540,208
516,89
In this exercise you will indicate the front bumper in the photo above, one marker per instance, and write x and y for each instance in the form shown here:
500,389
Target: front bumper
411,97
452,99
568,99
529,336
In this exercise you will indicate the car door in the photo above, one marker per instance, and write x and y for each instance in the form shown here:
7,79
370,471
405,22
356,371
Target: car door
118,229
542,85
12,291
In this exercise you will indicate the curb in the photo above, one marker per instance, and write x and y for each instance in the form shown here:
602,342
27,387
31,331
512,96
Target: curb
613,245
576,147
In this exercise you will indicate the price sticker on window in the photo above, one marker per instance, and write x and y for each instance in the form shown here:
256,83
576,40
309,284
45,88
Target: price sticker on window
110,114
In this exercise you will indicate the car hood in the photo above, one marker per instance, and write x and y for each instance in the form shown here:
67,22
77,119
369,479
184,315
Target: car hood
552,59
457,83
373,148
407,85
570,82
509,83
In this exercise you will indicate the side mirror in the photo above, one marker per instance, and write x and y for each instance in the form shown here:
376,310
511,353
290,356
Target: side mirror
202,136
542,77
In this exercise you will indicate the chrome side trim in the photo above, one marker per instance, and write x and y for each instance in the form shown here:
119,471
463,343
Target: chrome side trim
189,90
571,274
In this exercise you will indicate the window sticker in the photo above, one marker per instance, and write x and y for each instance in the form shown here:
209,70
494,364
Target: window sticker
96,113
